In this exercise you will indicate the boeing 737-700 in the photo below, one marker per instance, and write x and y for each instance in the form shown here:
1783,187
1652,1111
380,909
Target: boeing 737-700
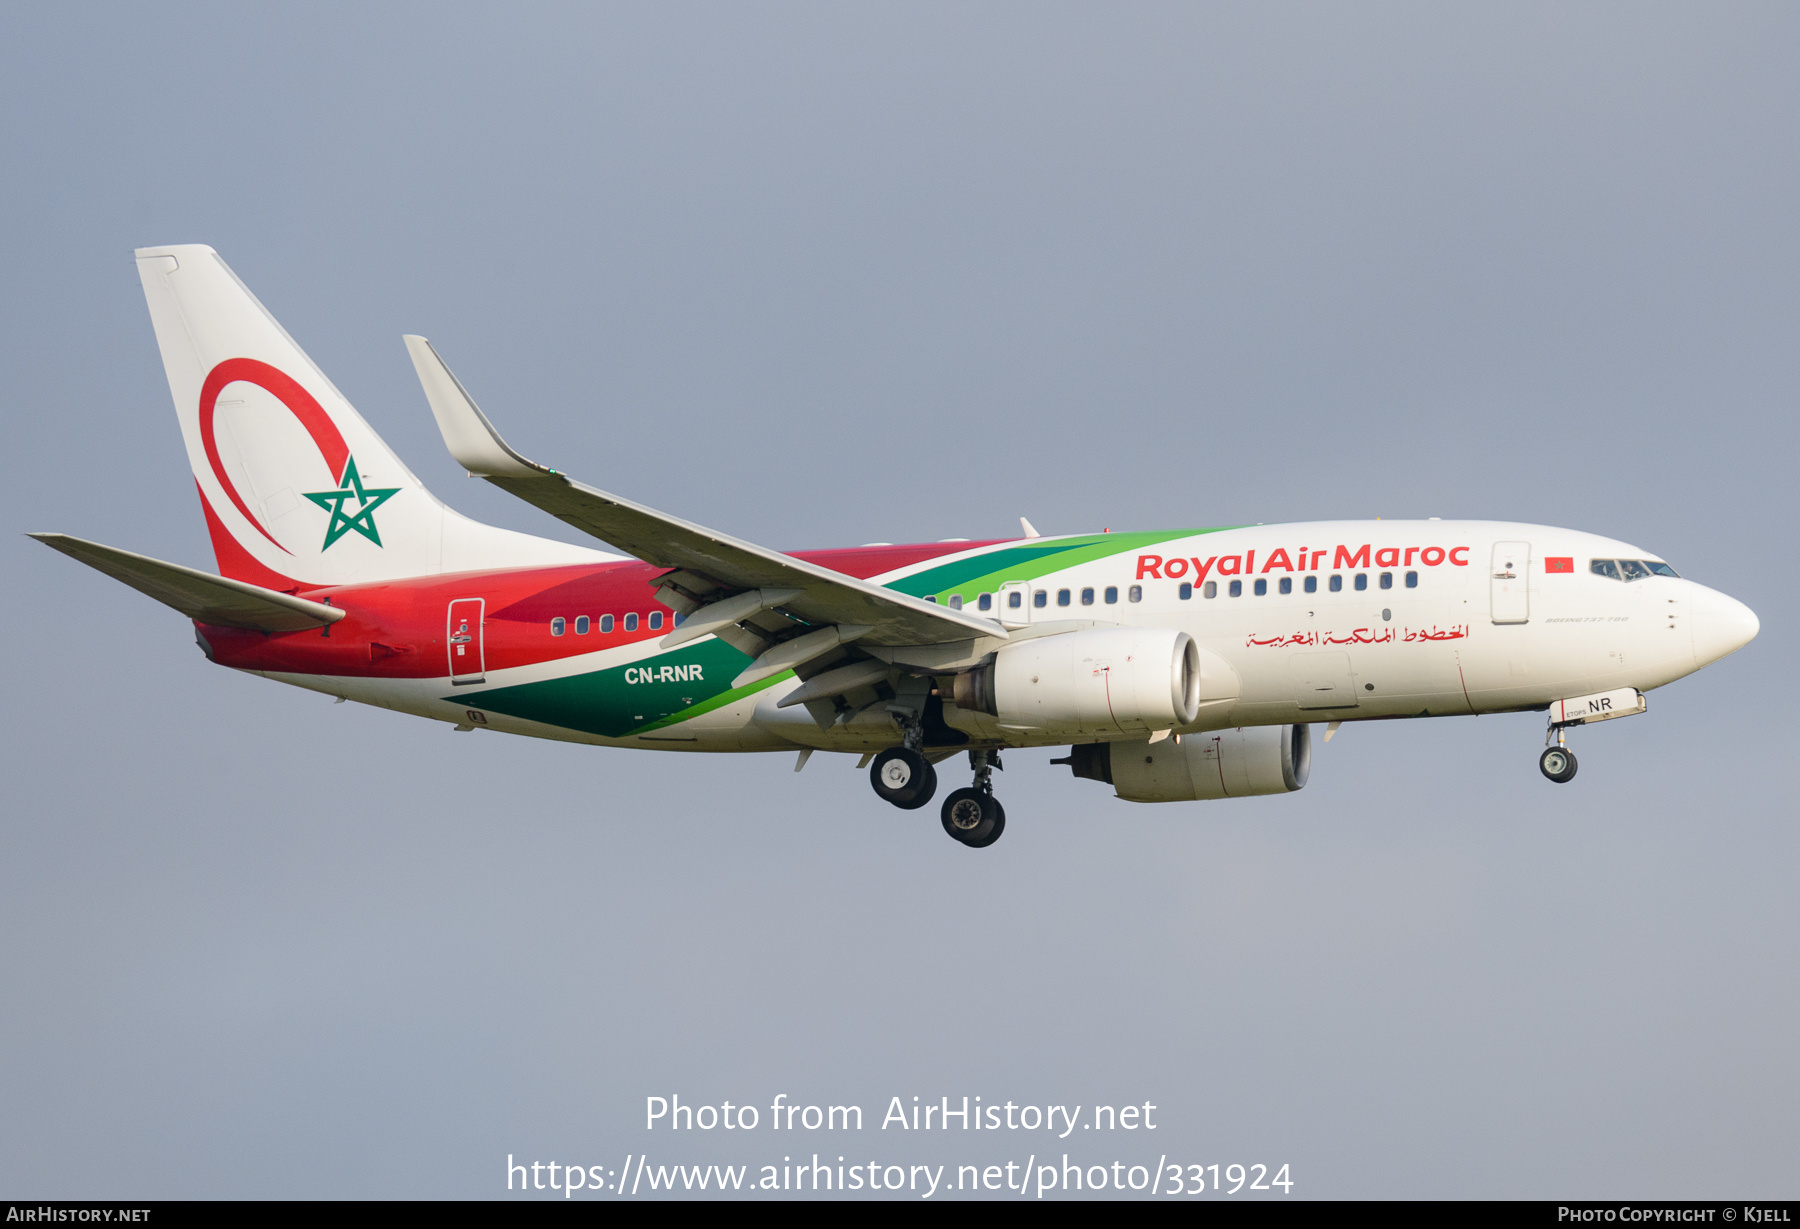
1176,665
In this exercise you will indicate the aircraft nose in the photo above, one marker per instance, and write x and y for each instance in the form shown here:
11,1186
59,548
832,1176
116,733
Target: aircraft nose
1721,625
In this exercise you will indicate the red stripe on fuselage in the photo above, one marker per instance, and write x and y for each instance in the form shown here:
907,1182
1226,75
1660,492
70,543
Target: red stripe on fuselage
396,629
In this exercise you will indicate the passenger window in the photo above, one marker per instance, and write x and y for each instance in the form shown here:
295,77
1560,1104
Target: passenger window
1087,597
1015,600
1237,588
956,601
656,620
557,627
1312,584
1604,567
1387,580
605,625
1262,587
631,623
1661,569
1112,594
1062,597
1287,584
985,602
581,625
1412,580
1212,588
1633,569
1337,584
1041,598
1362,581
1135,593
1185,592
932,598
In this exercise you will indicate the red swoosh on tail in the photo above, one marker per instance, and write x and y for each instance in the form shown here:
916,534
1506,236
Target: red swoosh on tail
286,390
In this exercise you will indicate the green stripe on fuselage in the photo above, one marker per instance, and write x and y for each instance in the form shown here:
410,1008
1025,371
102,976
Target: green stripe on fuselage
650,693
985,573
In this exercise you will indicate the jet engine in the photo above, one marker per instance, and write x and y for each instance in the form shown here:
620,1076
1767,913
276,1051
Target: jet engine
1264,759
1114,680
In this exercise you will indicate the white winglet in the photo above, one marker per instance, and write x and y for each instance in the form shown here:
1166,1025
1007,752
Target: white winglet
1029,531
468,434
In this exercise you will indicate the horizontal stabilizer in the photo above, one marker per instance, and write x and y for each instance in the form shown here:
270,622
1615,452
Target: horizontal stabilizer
198,595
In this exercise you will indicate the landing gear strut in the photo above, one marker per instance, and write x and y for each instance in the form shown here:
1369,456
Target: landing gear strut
973,815
1557,762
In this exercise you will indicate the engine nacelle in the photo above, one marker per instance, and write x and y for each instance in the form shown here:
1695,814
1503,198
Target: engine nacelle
1264,759
1110,680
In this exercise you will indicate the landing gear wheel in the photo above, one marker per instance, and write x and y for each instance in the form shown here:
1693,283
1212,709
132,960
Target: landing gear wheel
1558,763
901,776
982,842
973,817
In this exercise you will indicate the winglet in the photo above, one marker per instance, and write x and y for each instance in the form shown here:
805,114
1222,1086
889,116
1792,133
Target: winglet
1030,530
468,434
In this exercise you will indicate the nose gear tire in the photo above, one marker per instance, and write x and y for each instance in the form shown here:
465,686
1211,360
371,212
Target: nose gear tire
1558,763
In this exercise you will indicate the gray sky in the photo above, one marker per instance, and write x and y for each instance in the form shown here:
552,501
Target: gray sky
823,275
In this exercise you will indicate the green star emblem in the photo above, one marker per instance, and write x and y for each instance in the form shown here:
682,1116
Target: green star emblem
367,500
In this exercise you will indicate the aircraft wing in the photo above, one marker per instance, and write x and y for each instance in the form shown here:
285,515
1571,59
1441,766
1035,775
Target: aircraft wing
198,595
816,605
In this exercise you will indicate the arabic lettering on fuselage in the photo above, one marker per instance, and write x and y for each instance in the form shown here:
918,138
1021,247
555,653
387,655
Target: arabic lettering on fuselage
1361,635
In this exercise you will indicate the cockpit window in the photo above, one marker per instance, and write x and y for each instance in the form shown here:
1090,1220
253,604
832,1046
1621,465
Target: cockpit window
1631,569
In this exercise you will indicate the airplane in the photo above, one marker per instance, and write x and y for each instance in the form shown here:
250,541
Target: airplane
1176,665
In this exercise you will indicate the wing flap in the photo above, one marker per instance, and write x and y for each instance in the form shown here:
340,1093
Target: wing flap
198,595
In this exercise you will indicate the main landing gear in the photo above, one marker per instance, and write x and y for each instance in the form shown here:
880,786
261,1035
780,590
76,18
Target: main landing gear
902,776
972,814
1557,762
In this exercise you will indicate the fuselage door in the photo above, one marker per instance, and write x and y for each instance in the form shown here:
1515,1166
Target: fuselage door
1015,603
1509,575
467,660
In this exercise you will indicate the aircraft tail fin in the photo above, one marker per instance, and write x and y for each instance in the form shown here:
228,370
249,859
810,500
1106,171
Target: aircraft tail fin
298,490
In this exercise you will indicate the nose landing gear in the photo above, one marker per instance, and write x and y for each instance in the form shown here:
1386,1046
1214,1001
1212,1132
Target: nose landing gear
1557,762
972,814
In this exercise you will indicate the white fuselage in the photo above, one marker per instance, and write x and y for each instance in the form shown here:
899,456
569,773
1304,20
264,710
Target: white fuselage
1454,617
